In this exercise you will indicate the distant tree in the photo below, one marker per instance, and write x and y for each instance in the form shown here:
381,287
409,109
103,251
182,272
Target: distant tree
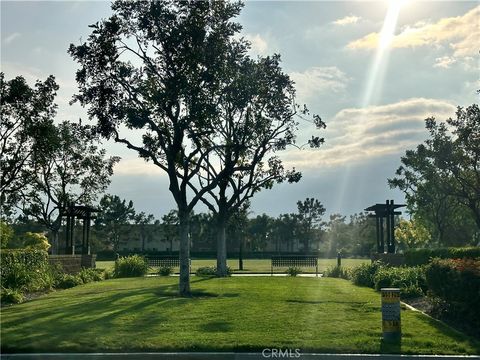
287,230
410,234
76,170
6,234
25,130
170,223
338,235
259,231
363,234
115,214
144,223
311,212
442,175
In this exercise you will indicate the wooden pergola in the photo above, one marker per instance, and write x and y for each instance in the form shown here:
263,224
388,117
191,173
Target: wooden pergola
385,211
83,212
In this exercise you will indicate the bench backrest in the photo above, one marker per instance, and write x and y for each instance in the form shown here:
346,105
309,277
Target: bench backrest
294,260
157,260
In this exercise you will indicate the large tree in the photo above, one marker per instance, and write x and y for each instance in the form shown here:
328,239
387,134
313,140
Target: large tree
25,130
162,69
75,170
257,118
441,177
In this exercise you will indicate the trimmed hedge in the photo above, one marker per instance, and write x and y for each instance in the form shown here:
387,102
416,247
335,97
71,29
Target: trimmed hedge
414,257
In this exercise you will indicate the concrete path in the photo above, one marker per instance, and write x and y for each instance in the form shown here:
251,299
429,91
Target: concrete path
253,274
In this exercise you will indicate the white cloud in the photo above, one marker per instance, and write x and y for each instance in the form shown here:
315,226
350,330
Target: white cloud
347,20
9,39
259,44
318,80
444,62
361,134
460,34
137,167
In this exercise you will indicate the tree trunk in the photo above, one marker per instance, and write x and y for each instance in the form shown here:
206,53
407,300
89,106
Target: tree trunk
55,244
240,254
221,247
184,285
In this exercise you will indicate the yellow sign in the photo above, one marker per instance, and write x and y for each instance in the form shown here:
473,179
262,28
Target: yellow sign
391,325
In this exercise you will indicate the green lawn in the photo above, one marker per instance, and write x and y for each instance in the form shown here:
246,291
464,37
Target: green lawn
225,314
255,265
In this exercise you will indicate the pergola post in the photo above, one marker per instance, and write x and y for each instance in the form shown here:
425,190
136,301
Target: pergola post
80,212
388,212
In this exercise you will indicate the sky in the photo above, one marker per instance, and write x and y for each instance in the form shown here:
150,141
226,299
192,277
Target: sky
373,70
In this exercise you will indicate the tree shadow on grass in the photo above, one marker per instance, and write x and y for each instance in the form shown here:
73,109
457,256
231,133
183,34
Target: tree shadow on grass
216,326
390,347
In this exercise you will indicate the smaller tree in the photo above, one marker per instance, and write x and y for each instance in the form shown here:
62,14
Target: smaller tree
410,234
74,170
115,214
311,211
144,224
26,127
170,223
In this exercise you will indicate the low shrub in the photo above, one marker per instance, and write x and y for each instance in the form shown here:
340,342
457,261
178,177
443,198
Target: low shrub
206,271
414,257
130,266
25,270
88,275
337,272
9,296
67,281
410,280
293,271
165,271
363,274
210,271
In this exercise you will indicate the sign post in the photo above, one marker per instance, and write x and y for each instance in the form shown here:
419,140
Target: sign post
391,325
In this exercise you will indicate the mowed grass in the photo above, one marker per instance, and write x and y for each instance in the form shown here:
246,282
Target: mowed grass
225,314
254,265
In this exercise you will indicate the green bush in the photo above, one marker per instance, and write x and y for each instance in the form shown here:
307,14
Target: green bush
414,257
210,271
6,234
36,241
25,270
67,281
130,266
206,271
89,275
293,271
363,275
337,272
410,280
165,271
9,296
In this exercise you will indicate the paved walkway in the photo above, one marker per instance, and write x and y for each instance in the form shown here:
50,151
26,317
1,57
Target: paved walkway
255,274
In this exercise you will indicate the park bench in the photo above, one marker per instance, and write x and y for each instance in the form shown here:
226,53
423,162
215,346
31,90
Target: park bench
164,261
295,261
